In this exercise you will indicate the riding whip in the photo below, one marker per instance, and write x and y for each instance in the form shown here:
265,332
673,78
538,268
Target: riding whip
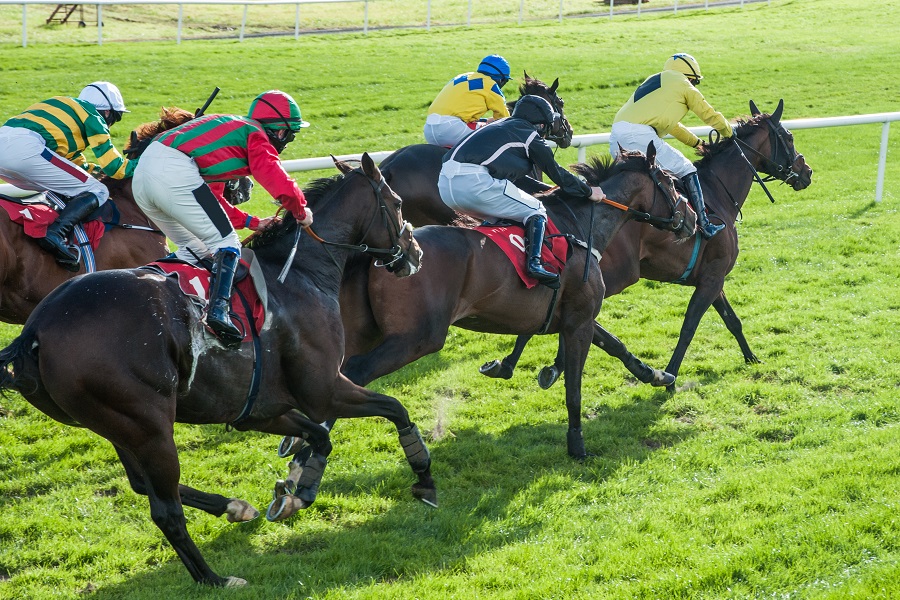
199,112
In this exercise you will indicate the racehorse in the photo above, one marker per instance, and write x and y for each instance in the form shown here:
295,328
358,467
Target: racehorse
469,282
156,364
28,273
727,170
413,170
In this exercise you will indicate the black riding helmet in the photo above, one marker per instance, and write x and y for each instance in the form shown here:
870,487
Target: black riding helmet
536,111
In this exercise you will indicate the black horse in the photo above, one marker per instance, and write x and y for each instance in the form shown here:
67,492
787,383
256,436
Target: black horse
727,170
156,364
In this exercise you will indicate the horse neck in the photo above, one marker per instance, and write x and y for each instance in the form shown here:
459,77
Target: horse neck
730,171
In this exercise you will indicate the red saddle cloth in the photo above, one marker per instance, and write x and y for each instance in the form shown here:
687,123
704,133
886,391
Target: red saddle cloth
511,239
194,282
36,218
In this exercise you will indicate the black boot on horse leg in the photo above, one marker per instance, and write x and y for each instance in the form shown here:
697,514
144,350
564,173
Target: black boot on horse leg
220,299
56,242
695,194
534,239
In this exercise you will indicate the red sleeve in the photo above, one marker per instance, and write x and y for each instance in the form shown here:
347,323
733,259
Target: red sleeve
267,170
239,219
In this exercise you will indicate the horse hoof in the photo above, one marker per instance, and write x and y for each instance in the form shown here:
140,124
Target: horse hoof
231,582
752,359
239,511
496,370
289,446
670,389
547,377
284,507
426,495
662,379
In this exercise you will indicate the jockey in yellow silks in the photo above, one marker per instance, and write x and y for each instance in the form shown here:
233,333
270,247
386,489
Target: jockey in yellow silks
461,105
655,110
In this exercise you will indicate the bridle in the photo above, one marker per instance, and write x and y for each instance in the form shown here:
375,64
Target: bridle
561,129
773,166
660,180
390,258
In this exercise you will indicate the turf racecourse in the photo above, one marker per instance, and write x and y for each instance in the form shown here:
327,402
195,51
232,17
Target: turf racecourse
776,480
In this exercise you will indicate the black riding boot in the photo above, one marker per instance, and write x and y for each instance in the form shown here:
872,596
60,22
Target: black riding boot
695,195
56,243
534,239
220,299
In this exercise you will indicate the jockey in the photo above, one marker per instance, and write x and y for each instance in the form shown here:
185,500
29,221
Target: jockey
179,183
477,174
43,149
654,110
460,106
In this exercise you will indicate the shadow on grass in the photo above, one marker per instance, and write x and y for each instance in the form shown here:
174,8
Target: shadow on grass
494,490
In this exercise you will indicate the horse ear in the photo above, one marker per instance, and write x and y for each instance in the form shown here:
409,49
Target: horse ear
651,154
370,168
526,74
554,86
342,166
776,116
753,110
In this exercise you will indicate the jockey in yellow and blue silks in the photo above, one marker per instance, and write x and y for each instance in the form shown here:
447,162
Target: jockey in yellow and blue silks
43,149
459,107
655,110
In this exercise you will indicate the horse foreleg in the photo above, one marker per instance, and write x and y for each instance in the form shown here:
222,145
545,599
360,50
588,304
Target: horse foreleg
613,346
503,369
700,301
733,323
214,504
156,461
354,401
576,343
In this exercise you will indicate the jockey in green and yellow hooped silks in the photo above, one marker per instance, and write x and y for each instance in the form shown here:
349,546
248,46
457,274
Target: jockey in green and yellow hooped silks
171,186
43,148
655,110
459,107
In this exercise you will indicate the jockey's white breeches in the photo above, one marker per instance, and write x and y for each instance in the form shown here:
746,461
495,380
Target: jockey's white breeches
27,163
470,189
168,187
632,136
447,131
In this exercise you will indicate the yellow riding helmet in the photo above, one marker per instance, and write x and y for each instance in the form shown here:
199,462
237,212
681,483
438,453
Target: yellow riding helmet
684,63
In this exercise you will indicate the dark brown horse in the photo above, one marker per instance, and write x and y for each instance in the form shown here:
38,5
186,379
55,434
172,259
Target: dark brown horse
468,282
156,365
414,168
727,171
28,273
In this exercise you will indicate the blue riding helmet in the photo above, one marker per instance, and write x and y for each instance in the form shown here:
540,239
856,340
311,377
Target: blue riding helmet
496,67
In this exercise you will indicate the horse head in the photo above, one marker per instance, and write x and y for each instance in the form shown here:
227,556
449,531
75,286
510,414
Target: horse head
404,255
561,135
772,144
652,187
141,137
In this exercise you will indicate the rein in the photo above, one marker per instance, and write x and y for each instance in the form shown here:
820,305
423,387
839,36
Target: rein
395,252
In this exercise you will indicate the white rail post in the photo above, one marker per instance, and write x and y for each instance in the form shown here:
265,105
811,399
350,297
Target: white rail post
611,2
428,17
243,24
560,10
99,25
297,22
24,25
469,15
676,7
366,18
639,8
582,154
882,159
521,7
180,19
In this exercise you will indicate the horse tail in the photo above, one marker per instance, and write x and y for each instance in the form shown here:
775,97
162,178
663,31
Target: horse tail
13,363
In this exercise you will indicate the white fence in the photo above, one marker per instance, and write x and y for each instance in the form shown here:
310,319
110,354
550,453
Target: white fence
582,142
99,4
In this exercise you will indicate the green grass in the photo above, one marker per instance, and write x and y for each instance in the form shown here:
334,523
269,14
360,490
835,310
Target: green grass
775,480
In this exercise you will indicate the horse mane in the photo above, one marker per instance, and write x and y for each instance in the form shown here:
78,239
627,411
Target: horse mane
140,138
742,129
315,192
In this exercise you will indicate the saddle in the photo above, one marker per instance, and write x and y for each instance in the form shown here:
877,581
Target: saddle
510,237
